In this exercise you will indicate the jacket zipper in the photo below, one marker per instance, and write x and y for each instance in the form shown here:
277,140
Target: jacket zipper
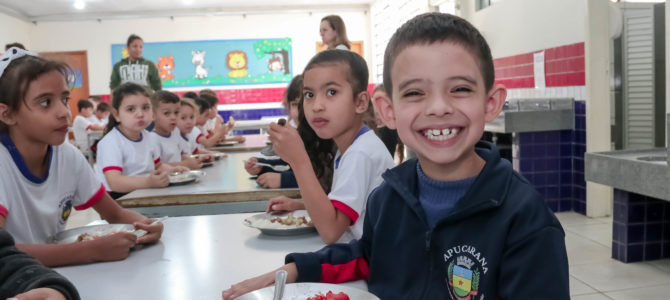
429,252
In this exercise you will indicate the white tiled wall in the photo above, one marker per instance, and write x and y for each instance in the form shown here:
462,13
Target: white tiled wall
576,92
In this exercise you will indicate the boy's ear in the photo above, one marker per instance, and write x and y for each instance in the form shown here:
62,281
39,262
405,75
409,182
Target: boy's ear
362,102
494,102
6,115
384,107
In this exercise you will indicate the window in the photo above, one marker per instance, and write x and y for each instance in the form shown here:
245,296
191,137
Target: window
481,4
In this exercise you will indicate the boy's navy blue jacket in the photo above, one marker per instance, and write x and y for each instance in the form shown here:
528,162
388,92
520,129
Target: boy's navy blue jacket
500,241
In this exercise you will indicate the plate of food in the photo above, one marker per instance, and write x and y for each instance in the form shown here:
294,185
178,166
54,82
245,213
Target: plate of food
89,233
227,144
185,177
292,223
311,291
215,155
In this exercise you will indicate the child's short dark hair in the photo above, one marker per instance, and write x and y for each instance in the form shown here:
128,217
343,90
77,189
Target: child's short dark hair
163,96
95,98
102,107
15,44
84,103
358,69
294,91
379,88
132,38
190,95
212,100
124,90
20,73
430,28
202,104
208,92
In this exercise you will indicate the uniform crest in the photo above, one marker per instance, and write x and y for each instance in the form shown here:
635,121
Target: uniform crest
65,206
465,267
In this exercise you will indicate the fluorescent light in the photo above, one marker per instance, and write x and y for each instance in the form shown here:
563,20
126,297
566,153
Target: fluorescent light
187,2
79,4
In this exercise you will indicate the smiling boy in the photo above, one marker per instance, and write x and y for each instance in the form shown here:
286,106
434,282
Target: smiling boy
458,222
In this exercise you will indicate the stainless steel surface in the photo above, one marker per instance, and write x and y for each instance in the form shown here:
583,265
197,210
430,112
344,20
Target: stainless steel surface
260,221
71,235
280,283
185,177
532,115
304,290
196,258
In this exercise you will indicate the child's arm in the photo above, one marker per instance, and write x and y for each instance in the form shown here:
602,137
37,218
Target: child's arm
259,282
111,211
96,127
126,184
329,221
190,162
218,134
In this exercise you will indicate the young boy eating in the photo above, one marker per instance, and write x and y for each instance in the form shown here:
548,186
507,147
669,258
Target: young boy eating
82,125
459,222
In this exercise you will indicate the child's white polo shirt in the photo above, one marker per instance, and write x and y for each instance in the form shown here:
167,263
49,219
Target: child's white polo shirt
357,172
131,157
171,147
37,208
80,127
192,140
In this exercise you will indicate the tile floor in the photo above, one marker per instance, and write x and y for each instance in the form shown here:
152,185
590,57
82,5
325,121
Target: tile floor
593,274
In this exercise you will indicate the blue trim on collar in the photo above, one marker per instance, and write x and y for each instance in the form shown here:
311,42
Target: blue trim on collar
121,132
183,137
360,132
20,163
165,136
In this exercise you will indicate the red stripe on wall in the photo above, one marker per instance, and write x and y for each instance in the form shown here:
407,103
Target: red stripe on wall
564,66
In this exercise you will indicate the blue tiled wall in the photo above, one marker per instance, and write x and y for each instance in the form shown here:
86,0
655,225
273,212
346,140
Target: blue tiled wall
251,114
553,161
641,229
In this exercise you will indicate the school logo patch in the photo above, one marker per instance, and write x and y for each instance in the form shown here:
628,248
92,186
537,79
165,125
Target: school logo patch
465,268
65,207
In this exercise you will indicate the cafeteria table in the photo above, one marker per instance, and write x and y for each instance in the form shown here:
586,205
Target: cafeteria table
196,258
225,188
253,142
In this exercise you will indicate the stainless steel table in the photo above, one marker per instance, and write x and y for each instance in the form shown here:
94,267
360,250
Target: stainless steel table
226,188
197,258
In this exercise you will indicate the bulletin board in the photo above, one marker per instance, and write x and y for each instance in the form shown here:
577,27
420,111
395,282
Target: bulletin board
217,62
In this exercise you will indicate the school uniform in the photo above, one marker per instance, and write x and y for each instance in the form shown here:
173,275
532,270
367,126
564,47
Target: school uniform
192,146
80,128
356,173
171,147
130,157
500,241
37,208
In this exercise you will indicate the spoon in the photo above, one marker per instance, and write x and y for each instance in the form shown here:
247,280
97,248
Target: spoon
268,151
278,168
142,232
280,282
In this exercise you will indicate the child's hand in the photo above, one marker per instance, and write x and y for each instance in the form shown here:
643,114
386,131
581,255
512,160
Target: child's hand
283,203
251,167
113,247
269,180
192,163
206,157
287,143
237,138
154,231
180,169
40,294
159,178
248,285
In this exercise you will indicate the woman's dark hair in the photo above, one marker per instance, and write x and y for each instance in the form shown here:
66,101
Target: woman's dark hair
132,38
20,73
120,93
293,92
337,24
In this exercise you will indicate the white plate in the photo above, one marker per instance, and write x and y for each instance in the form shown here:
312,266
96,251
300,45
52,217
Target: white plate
304,290
71,235
262,223
186,177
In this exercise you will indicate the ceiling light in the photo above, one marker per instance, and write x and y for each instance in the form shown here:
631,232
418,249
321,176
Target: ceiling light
79,4
187,2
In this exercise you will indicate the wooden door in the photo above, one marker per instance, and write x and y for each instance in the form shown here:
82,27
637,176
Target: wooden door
78,62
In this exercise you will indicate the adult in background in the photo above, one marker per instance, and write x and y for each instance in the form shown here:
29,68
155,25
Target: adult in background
334,33
135,68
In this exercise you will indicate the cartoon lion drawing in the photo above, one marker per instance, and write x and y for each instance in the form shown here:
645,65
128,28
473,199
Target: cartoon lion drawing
236,61
165,66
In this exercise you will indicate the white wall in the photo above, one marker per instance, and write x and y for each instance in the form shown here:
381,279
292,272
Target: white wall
97,37
520,26
14,30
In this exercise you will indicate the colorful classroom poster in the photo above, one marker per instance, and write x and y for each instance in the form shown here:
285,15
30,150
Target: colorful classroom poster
220,62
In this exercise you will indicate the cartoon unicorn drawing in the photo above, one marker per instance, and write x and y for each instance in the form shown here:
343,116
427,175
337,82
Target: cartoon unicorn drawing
199,61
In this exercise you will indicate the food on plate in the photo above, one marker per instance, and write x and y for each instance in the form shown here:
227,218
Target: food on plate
290,220
89,237
330,296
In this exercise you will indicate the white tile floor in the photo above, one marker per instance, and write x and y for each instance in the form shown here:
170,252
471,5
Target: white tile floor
594,275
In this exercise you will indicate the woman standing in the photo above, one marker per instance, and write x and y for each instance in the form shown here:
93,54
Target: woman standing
135,68
334,33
